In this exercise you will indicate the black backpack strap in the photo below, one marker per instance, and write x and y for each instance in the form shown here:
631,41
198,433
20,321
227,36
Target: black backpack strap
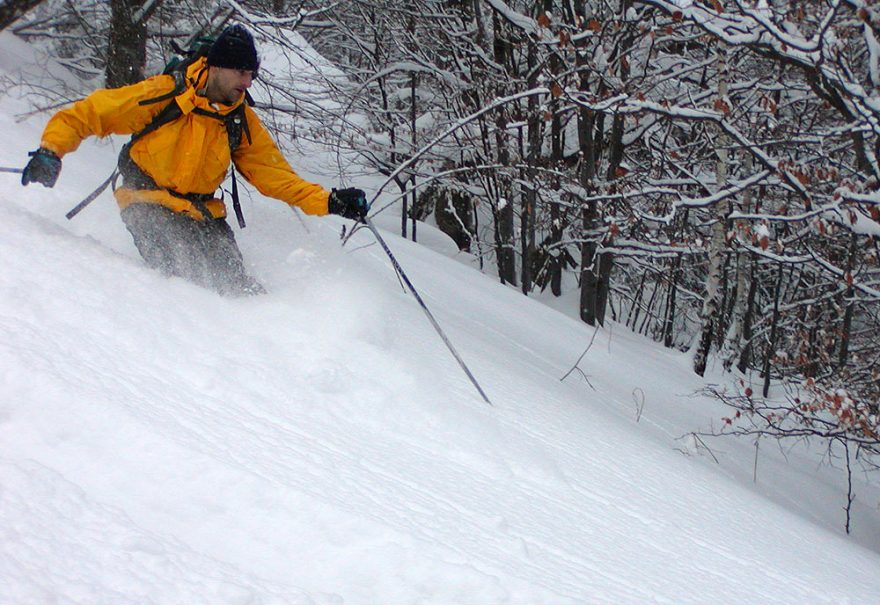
236,125
168,114
131,173
236,205
235,122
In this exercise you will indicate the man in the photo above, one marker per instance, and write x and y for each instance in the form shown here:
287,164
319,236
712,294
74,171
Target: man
176,160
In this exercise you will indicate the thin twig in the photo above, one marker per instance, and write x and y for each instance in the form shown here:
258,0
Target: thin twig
639,399
596,331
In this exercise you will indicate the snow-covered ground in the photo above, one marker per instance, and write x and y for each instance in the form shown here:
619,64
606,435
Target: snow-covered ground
319,445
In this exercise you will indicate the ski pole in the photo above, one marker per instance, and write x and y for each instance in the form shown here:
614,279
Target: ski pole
12,170
91,197
424,307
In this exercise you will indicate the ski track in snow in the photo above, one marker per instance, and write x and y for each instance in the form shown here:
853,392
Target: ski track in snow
55,539
324,458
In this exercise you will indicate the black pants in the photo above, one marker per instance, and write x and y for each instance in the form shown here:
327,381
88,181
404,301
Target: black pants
203,252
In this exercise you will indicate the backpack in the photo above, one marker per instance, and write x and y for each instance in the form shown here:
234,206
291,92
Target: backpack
235,122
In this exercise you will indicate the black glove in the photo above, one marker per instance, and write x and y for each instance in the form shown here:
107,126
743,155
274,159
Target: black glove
43,168
349,203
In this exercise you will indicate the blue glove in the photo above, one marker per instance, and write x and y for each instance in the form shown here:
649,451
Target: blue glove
349,203
43,168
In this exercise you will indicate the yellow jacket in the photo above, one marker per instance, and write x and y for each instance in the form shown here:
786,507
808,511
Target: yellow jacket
189,155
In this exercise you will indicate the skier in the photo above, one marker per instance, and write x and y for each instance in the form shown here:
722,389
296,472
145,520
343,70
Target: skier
186,130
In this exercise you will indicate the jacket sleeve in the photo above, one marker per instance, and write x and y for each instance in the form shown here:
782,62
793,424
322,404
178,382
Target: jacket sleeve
106,111
262,164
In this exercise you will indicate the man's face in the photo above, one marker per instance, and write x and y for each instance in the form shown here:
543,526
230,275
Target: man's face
227,85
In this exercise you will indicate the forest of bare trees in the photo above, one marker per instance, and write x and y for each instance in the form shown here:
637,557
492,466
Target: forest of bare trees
705,173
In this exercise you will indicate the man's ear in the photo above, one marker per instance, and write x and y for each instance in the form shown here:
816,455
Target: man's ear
210,74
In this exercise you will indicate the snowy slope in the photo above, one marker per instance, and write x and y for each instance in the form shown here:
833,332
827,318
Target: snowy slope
160,444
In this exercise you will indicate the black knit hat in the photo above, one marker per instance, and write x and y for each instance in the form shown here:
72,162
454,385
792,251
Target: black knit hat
234,49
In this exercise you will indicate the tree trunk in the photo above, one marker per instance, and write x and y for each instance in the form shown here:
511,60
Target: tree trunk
556,263
127,46
846,328
413,125
504,218
774,329
711,313
606,259
586,123
589,270
530,195
734,341
603,287
745,356
671,298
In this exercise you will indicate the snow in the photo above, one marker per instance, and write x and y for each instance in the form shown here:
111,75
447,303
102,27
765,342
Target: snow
527,24
319,445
